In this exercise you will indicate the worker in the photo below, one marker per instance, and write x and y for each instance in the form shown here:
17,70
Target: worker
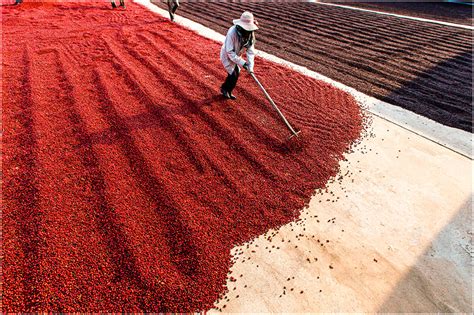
122,4
240,38
172,7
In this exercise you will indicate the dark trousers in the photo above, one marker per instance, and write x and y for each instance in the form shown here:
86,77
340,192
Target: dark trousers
173,5
231,80
122,3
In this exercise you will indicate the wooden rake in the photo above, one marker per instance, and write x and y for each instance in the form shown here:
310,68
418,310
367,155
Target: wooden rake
294,133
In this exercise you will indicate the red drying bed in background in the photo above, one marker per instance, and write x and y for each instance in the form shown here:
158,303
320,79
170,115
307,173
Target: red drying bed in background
127,178
439,11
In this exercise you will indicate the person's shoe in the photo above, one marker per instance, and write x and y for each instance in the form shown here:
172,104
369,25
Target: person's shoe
225,93
113,5
232,96
171,16
122,4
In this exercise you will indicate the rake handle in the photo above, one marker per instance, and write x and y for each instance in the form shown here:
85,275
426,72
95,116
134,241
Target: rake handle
274,105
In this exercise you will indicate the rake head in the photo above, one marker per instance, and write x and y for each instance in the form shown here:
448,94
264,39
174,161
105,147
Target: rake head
294,134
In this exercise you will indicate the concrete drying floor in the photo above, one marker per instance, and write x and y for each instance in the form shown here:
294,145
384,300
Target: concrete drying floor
394,234
399,232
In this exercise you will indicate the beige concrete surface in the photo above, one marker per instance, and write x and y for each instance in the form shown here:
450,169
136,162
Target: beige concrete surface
393,234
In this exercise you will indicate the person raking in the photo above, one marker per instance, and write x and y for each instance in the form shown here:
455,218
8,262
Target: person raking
122,4
240,38
172,7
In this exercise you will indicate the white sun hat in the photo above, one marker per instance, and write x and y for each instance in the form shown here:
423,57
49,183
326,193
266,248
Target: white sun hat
247,22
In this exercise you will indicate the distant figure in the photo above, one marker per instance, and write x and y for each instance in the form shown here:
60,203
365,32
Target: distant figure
122,4
240,38
172,7
18,1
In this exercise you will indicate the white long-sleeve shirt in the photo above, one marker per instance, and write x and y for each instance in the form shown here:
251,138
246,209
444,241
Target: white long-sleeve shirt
232,50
